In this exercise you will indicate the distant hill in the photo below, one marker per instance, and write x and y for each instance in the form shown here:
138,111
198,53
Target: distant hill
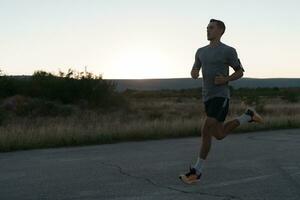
184,83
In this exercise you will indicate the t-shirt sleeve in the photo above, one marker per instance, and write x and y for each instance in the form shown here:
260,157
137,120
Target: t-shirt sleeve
197,64
234,61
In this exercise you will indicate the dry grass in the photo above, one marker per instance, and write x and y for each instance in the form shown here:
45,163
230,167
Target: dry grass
146,119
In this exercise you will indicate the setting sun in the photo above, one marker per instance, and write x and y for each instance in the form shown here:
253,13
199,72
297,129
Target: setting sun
139,63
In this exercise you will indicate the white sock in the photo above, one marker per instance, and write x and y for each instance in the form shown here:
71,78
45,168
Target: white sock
243,119
199,165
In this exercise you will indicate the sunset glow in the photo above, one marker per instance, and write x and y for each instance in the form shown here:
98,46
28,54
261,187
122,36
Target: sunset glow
145,39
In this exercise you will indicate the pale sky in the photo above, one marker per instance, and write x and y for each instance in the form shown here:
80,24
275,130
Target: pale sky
146,38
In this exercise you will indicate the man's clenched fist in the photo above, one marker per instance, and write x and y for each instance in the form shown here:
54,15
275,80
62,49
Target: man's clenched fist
195,73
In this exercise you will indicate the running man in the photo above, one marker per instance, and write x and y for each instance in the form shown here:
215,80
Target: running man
215,59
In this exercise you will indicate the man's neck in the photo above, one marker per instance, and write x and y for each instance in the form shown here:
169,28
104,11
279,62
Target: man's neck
214,43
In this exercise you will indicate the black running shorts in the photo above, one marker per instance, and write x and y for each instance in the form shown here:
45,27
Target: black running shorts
217,107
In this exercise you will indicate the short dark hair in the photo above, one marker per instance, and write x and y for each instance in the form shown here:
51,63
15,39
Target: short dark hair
220,24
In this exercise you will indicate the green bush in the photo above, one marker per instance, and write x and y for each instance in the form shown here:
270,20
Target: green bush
67,88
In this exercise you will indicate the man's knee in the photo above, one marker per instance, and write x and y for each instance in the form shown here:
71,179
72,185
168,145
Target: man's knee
215,128
207,126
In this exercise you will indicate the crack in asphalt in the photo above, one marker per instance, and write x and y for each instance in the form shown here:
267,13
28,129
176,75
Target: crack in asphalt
121,171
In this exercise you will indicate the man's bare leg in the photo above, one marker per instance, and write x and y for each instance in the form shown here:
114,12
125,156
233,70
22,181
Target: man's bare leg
206,138
220,130
212,127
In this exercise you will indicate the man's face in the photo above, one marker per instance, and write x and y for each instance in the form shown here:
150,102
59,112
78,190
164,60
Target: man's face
213,31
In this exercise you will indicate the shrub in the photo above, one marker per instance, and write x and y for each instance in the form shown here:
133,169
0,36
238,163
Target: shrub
67,88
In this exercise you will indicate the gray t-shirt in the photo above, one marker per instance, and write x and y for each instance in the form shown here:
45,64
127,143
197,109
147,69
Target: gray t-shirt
213,61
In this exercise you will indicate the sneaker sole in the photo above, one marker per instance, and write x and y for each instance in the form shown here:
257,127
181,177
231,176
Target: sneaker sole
257,118
184,179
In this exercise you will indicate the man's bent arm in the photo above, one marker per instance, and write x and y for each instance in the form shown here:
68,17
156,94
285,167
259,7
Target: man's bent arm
221,79
236,75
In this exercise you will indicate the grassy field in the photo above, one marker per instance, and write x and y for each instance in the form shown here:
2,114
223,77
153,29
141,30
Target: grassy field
145,116
78,108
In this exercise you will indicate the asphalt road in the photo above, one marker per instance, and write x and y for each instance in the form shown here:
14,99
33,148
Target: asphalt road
256,166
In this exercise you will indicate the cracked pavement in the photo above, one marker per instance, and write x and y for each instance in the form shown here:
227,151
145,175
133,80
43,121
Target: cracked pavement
250,166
